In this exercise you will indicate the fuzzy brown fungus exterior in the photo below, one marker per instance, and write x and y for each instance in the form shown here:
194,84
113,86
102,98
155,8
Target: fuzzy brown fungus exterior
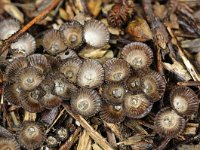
53,42
31,135
86,102
137,105
8,27
50,100
138,55
112,113
24,46
29,78
184,101
72,33
40,62
153,85
9,144
30,100
116,70
113,93
62,87
91,74
168,123
14,67
120,13
96,33
12,93
70,68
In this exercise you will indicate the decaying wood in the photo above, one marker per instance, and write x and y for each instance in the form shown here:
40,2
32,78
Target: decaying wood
72,139
164,143
29,116
93,134
115,129
84,141
111,138
14,118
189,83
135,125
191,69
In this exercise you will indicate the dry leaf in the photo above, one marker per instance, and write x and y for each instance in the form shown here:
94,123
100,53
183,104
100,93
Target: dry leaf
63,14
139,30
178,69
13,10
90,52
94,7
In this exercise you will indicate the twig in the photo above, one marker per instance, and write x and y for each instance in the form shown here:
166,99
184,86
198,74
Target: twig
115,129
161,37
111,137
68,144
14,118
159,62
164,143
189,140
93,134
189,83
60,114
29,116
85,141
187,63
35,20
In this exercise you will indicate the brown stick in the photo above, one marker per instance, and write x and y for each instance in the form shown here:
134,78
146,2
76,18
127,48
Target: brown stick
58,117
164,143
189,83
187,63
68,144
93,134
35,20
160,35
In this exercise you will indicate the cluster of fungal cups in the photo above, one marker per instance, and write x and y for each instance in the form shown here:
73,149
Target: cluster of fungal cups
117,88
